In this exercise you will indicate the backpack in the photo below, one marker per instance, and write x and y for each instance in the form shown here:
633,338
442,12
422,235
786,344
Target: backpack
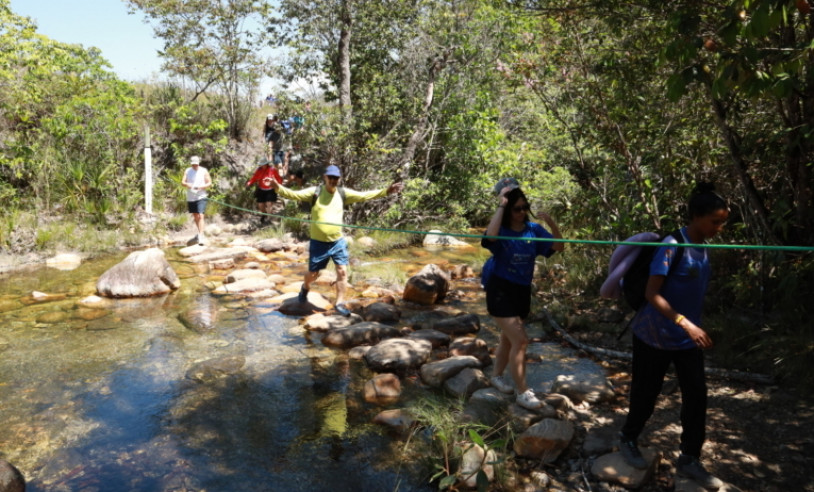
629,267
318,190
486,271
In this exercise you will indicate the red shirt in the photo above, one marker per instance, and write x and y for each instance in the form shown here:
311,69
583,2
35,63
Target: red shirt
262,172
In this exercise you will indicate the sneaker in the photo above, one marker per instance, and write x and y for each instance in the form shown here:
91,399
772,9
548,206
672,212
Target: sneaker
690,467
342,309
303,295
201,239
529,400
500,384
630,452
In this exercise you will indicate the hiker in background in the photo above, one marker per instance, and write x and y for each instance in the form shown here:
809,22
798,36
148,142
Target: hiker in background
668,330
273,135
264,194
196,180
508,289
327,243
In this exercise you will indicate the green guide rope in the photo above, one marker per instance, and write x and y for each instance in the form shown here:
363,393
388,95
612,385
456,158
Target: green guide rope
552,240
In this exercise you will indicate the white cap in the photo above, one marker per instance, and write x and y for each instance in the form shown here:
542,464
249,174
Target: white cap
194,160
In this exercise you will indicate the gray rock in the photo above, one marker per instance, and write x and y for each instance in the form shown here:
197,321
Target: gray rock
398,355
471,346
381,312
142,274
11,480
487,406
436,338
397,419
322,323
544,440
270,245
244,286
463,324
612,468
244,273
366,333
435,373
466,382
593,388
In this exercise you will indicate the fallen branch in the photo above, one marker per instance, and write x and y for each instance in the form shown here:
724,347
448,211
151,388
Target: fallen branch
748,377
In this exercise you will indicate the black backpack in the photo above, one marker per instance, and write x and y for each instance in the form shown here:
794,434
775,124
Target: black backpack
635,278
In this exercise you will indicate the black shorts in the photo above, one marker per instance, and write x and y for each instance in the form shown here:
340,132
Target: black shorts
263,196
506,299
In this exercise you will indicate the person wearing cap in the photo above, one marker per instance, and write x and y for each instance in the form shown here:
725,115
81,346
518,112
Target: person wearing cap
327,242
197,180
265,195
508,289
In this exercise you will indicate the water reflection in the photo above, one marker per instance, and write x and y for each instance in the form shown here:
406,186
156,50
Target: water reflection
179,392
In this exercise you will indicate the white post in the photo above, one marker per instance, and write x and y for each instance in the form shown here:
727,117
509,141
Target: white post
148,172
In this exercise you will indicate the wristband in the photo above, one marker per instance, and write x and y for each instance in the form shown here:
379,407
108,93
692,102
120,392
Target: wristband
679,319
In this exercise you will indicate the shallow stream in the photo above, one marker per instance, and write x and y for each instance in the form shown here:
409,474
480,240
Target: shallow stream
122,399
130,399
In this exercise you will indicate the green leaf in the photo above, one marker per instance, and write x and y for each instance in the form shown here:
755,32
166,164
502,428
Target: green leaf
476,438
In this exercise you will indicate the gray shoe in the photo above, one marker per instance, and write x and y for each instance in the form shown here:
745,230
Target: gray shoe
303,295
690,467
500,384
630,452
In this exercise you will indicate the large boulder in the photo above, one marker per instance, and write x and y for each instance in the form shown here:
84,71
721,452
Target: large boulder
142,274
428,286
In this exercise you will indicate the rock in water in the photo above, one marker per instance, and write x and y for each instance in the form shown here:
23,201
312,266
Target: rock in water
141,274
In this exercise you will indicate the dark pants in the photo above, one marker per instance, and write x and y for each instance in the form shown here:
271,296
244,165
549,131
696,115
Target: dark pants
649,368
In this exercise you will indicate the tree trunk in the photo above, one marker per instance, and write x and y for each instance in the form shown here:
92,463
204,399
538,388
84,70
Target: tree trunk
345,31
753,198
407,157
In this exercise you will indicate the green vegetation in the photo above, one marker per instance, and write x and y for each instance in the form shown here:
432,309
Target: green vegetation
607,113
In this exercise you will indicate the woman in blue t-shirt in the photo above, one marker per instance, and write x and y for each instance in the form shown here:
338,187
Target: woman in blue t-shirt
508,290
668,330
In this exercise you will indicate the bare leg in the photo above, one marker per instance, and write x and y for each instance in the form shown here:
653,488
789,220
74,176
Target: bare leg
513,333
341,283
199,222
309,279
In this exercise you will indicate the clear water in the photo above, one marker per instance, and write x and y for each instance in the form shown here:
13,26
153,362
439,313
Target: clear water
110,400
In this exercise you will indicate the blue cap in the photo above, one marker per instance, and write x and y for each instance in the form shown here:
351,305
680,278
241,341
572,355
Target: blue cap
333,171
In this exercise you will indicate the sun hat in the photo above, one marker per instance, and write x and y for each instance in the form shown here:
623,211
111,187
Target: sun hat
333,171
263,162
194,160
510,183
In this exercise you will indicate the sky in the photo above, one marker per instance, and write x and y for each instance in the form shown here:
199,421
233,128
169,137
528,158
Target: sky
125,40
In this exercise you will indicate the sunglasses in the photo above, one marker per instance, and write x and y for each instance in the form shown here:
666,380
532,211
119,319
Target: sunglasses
521,208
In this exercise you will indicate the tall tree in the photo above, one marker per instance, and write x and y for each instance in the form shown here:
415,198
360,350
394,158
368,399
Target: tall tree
213,43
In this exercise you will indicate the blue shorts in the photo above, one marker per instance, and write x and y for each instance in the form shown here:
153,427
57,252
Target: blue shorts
319,252
197,207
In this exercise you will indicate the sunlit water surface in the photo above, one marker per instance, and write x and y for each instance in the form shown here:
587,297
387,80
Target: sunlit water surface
130,398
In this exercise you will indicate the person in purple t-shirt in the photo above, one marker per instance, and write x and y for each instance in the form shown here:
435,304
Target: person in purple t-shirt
668,330
508,289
